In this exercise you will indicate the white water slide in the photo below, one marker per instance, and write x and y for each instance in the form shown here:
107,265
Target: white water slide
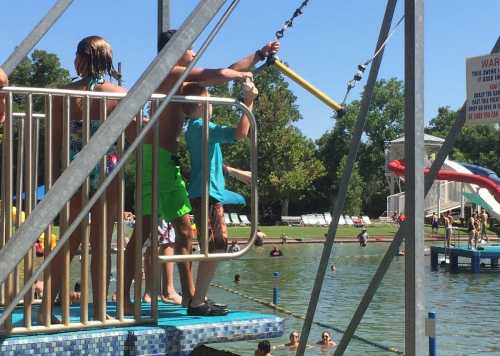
483,193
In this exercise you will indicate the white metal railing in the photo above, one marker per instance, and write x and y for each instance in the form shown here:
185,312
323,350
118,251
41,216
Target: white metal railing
24,132
442,196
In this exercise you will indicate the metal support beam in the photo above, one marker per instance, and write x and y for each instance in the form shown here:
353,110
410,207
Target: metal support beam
73,177
396,242
414,175
35,35
346,175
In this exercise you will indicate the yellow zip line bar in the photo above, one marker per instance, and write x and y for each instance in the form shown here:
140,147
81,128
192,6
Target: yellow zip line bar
308,86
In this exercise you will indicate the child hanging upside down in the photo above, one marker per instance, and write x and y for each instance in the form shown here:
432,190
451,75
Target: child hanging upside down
217,227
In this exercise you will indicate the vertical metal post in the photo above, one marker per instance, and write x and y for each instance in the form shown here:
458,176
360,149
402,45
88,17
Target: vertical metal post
64,217
7,186
28,179
163,18
154,221
103,233
206,177
430,331
438,197
339,202
85,224
414,156
120,80
138,231
120,256
19,188
47,277
462,201
276,288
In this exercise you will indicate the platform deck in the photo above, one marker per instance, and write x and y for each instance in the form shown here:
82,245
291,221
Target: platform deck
175,334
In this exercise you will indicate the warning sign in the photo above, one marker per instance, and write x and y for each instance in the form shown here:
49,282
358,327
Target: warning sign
483,89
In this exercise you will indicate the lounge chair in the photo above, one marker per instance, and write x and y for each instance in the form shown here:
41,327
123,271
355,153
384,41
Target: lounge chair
292,220
227,220
235,219
366,220
348,220
244,220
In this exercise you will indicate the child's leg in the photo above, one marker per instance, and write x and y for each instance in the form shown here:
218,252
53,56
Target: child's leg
206,269
183,246
169,291
129,268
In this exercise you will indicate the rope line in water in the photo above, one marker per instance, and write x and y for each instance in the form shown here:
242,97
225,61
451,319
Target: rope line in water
298,316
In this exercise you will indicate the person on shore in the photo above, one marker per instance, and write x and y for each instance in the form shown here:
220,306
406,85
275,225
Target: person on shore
294,340
448,224
484,222
435,223
93,62
363,237
263,349
218,135
284,237
173,204
4,81
326,340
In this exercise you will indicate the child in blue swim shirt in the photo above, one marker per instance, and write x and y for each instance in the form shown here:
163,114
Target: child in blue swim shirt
218,135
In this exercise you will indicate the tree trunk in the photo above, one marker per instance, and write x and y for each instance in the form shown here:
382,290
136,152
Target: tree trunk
284,207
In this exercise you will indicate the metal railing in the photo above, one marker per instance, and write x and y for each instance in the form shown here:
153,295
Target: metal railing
442,196
24,133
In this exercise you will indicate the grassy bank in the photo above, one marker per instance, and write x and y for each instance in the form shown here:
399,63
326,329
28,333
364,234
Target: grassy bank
313,232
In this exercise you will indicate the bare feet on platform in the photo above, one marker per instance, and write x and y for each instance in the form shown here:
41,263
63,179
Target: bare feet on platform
173,298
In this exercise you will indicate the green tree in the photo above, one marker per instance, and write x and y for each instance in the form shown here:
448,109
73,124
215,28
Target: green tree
354,198
385,122
42,70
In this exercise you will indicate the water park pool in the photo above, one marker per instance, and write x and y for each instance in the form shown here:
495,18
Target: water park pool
464,303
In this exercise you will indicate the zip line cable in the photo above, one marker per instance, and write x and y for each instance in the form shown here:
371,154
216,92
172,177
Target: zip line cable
351,84
289,23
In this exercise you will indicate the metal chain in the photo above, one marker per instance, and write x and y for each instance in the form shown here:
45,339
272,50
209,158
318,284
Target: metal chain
362,67
289,23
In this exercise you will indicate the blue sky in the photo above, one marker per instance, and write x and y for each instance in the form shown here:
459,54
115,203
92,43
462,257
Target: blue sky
324,46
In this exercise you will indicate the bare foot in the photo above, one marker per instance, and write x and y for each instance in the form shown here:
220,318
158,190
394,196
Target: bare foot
146,298
173,298
109,317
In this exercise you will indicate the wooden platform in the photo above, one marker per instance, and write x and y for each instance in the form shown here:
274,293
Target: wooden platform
175,334
492,253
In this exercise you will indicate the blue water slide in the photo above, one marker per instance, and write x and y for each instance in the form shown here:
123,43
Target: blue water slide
482,171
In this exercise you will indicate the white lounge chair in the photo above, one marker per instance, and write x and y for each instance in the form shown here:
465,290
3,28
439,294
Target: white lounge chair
235,219
227,220
291,220
366,220
244,220
320,219
348,220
